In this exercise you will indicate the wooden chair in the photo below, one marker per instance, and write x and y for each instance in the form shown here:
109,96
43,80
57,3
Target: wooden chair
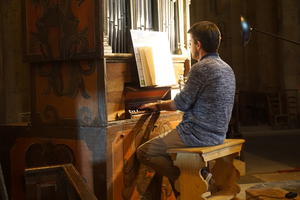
277,116
283,108
192,160
291,106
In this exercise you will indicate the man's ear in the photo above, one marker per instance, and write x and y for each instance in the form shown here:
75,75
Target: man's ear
199,45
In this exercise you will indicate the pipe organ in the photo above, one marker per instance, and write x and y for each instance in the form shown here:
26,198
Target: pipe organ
171,16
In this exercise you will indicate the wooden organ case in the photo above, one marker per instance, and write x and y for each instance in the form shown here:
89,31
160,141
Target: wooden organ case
82,65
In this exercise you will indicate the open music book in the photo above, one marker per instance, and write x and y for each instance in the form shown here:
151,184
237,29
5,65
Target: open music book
153,58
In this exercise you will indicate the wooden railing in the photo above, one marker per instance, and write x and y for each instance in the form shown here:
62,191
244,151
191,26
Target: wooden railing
56,182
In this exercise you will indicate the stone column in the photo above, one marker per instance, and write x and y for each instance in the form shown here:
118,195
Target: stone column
290,60
267,66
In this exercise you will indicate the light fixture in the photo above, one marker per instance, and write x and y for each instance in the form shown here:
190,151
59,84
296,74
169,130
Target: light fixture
247,29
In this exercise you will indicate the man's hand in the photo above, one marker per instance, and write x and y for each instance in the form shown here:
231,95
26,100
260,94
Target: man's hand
160,105
150,106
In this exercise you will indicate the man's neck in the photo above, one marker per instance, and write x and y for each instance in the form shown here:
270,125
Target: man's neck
202,53
215,54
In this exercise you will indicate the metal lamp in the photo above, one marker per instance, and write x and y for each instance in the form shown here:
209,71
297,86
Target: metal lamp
247,29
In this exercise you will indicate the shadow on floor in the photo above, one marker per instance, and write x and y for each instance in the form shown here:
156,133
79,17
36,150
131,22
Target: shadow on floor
268,151
270,156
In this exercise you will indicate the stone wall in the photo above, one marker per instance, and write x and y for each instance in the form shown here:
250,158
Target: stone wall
256,65
289,26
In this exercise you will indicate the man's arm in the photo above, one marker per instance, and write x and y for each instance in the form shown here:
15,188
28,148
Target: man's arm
194,84
160,105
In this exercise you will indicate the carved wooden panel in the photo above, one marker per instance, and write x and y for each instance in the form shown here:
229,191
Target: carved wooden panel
44,154
67,92
62,29
127,179
38,152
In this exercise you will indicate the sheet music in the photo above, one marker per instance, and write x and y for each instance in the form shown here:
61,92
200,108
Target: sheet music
155,66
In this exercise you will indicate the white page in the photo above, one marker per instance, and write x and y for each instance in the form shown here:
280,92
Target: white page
162,59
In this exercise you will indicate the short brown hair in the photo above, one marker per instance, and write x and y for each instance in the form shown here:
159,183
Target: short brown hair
208,34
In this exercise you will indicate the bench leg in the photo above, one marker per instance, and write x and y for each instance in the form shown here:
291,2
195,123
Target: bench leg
226,176
191,184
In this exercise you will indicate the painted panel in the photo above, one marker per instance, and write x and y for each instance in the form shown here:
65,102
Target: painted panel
67,92
62,29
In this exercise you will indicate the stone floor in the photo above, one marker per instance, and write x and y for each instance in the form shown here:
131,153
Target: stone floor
272,156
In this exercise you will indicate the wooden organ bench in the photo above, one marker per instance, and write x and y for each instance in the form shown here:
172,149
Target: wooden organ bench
219,158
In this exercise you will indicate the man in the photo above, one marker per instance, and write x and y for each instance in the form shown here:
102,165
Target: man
206,101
